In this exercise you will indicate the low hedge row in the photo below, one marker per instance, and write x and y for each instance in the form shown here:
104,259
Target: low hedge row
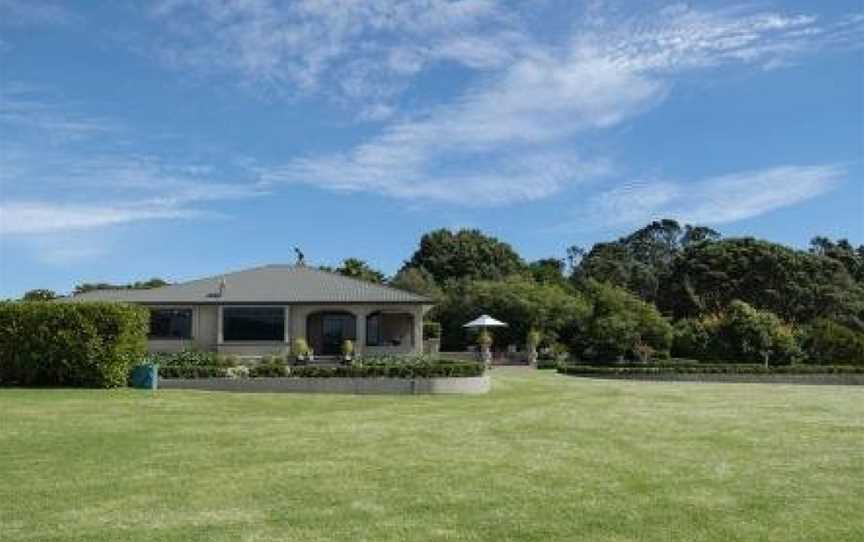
424,369
70,344
708,369
395,370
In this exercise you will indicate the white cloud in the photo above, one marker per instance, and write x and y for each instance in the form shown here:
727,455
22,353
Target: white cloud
17,218
25,107
715,200
361,52
514,136
56,176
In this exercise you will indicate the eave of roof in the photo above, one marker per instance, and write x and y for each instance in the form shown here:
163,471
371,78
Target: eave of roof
270,284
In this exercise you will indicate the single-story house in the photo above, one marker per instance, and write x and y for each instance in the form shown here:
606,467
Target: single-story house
262,310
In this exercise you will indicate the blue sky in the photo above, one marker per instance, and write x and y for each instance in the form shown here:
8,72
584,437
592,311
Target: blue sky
183,138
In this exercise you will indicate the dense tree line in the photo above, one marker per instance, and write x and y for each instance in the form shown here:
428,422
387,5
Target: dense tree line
664,289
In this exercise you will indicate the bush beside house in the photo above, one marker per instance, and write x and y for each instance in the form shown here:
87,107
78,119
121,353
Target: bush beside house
60,344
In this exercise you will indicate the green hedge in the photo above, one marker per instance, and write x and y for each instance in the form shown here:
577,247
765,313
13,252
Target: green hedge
70,344
384,367
393,370
192,371
694,368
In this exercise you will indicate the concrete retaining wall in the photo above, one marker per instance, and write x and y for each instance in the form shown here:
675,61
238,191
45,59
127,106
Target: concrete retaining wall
462,385
825,379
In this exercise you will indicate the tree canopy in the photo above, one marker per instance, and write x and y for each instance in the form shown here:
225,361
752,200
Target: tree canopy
40,294
466,254
359,269
140,285
795,285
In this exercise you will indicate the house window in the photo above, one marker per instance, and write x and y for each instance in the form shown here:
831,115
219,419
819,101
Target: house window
373,330
170,324
389,329
253,323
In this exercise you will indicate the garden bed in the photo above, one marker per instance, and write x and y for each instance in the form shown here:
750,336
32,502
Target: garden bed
387,375
739,373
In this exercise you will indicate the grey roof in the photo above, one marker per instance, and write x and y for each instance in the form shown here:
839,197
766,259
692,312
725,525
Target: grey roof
267,284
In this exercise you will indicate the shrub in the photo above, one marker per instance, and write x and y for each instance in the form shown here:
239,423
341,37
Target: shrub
300,347
70,344
193,371
192,358
825,341
431,330
691,338
619,325
270,368
741,334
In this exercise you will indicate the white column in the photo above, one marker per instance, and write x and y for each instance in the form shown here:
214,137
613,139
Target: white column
360,327
288,336
418,330
220,336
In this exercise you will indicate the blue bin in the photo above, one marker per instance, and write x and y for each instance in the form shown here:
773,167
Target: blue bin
145,376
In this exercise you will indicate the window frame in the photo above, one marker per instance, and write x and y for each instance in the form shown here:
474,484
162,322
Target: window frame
227,309
189,310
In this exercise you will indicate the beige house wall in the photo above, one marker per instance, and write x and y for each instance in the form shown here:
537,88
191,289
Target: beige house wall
207,330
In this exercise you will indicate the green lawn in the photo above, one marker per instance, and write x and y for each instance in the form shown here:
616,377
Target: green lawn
543,457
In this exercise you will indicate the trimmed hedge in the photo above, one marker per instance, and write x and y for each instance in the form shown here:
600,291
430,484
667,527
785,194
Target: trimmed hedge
379,367
70,344
192,371
694,368
394,370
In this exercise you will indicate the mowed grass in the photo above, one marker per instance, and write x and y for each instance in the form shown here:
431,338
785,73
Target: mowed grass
543,457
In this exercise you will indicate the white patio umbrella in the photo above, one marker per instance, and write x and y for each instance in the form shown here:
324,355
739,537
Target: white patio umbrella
485,321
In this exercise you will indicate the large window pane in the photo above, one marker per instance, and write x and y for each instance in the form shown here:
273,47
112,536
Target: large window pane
253,323
171,323
373,330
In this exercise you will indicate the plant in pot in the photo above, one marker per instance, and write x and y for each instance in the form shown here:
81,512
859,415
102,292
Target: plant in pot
533,341
301,350
347,350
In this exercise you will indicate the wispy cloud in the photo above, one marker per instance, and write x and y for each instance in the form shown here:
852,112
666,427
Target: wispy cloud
18,218
358,52
58,176
516,135
714,200
24,107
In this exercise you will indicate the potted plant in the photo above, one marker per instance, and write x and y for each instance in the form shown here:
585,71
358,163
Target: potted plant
301,350
533,341
347,350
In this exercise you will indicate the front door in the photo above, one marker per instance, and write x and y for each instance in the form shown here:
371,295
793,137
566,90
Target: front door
336,328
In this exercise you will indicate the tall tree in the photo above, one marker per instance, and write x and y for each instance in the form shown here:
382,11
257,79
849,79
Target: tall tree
40,294
638,261
852,258
549,271
796,285
359,269
417,280
465,254
138,285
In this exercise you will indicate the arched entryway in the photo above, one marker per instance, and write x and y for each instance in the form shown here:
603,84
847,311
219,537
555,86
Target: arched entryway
327,330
